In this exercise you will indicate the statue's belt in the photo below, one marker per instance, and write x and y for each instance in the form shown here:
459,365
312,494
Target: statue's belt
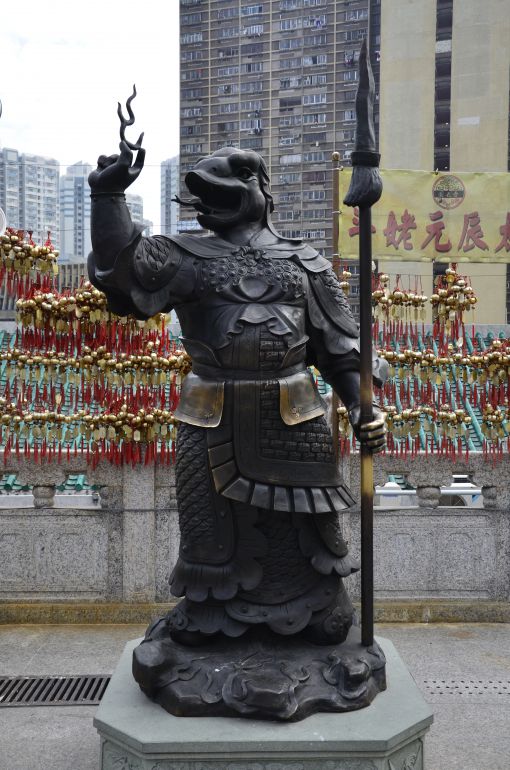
203,393
217,373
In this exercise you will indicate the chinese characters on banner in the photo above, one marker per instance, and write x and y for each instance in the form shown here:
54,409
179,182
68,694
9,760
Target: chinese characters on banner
448,217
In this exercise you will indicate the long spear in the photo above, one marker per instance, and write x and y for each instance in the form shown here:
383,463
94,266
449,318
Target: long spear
365,189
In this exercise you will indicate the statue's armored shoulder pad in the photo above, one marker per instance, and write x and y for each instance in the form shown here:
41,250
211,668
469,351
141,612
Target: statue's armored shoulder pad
199,246
311,260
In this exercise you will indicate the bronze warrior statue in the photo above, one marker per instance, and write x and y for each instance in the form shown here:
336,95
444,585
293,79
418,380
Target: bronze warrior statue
259,491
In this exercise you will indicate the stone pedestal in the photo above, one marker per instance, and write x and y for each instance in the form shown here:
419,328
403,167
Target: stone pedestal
137,734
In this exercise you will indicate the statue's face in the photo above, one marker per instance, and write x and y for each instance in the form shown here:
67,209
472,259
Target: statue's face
227,189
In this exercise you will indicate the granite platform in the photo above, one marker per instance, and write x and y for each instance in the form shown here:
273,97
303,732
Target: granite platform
137,734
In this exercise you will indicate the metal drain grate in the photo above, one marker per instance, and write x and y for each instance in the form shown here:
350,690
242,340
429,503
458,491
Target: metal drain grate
476,687
52,690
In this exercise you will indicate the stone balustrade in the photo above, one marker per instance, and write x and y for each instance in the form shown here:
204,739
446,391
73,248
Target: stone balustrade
123,551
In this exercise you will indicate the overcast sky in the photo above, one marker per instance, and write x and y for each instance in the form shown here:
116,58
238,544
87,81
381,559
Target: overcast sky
66,64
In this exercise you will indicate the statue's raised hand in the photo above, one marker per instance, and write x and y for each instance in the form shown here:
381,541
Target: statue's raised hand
114,173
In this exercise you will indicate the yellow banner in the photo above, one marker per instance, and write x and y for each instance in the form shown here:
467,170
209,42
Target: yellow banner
424,216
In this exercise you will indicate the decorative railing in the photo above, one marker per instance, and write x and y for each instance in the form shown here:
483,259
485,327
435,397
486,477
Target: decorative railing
123,551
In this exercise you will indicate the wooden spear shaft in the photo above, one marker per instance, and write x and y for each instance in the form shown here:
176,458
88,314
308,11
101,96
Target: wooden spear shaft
336,268
366,411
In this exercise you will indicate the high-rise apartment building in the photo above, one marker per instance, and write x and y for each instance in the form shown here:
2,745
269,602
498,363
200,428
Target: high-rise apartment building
444,83
135,206
75,213
29,193
278,77
169,189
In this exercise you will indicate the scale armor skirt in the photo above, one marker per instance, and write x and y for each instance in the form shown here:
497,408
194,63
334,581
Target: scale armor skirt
242,565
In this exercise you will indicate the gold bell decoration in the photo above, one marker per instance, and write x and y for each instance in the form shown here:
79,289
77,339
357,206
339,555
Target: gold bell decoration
24,265
454,297
399,310
345,282
78,378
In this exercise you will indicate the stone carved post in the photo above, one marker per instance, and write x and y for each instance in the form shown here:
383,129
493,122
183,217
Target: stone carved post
139,530
428,496
44,495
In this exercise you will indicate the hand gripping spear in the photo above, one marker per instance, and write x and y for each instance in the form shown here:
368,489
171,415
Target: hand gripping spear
365,190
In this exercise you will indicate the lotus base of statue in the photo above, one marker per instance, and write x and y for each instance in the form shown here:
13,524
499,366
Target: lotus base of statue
260,675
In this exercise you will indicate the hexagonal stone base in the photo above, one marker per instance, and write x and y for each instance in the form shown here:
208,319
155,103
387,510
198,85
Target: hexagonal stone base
137,734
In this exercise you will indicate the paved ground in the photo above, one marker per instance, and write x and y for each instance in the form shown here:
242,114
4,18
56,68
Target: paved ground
463,671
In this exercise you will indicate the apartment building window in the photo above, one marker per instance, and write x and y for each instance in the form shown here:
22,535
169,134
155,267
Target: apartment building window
192,56
192,93
190,130
313,3
354,34
349,96
288,216
251,143
191,37
187,19
288,160
192,75
288,141
314,234
314,195
254,30
251,10
230,125
290,5
228,107
255,66
313,60
224,72
228,88
292,177
315,40
251,106
357,14
289,197
290,64
224,32
314,80
315,214
191,148
228,13
314,99
316,136
314,118
227,143
290,102
350,75
254,125
228,53
290,43
286,25
314,21
314,157
293,82
251,49
190,2
349,114
251,88
347,135
290,120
